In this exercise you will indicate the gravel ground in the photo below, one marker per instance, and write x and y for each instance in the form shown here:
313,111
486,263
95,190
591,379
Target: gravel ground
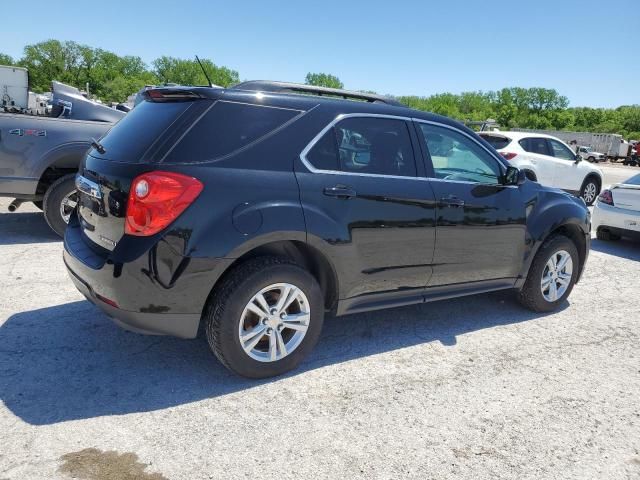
476,388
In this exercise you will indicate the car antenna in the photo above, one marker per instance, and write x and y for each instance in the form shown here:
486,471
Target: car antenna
204,71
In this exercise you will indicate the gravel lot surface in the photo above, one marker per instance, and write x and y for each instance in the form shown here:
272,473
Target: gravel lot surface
475,388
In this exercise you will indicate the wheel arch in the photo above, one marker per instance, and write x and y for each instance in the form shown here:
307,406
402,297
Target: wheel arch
308,257
60,161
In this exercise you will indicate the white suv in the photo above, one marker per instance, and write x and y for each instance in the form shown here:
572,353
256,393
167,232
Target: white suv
549,161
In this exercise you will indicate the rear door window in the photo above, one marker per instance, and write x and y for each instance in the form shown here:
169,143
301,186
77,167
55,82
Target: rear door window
226,128
535,145
369,145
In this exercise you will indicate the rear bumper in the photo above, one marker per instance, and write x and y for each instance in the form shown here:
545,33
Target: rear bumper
618,221
159,292
177,325
23,188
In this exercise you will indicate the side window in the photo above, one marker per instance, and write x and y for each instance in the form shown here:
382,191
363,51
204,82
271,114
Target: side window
535,145
378,146
560,151
226,128
324,154
456,157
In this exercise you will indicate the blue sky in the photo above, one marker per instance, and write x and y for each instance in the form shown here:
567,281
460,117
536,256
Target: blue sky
581,48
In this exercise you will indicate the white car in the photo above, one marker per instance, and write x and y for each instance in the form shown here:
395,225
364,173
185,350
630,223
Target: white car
549,161
617,211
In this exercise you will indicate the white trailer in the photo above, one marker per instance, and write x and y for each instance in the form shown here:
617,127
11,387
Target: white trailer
14,89
612,145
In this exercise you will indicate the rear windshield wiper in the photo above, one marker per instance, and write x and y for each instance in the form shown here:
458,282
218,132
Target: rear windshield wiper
98,146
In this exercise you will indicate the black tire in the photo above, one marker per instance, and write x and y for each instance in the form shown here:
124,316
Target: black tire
53,198
583,191
531,294
227,302
606,235
592,159
530,175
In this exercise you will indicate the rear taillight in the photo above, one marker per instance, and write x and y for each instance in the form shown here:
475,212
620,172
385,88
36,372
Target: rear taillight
606,197
156,199
508,155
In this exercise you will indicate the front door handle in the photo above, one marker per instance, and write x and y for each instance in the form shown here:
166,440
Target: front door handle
451,201
340,191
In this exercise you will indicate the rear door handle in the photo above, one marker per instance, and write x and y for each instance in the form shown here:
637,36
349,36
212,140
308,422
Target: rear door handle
340,191
452,201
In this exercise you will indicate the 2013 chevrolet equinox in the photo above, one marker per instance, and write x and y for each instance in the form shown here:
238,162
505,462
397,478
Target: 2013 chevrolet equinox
259,208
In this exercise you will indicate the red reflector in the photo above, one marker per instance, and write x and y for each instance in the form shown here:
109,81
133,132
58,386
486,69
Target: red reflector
606,197
156,199
107,301
508,155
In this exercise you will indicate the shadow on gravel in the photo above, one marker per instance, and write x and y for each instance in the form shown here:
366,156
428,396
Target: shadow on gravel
624,248
70,362
21,228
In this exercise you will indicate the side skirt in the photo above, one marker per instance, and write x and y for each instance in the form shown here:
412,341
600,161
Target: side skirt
378,301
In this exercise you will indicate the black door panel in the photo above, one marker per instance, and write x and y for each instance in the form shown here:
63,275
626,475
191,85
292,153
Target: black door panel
482,239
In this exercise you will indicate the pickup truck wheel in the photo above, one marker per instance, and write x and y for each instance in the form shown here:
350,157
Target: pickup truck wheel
265,317
590,190
552,275
59,202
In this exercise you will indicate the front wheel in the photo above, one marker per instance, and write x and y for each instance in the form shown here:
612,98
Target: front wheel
552,275
59,202
590,190
265,317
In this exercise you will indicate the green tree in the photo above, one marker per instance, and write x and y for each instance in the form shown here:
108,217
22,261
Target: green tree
5,59
188,72
323,80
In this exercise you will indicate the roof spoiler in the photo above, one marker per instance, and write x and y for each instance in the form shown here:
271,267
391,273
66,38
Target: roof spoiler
286,87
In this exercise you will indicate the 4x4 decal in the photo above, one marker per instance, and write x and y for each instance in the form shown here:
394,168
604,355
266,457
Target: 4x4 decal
29,132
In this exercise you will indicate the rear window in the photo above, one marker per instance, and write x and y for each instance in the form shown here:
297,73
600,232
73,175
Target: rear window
132,136
635,180
226,128
496,141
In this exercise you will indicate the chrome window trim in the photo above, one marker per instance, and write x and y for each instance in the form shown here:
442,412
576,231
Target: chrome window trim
330,125
342,116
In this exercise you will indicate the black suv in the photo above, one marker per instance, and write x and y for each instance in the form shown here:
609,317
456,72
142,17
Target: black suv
255,210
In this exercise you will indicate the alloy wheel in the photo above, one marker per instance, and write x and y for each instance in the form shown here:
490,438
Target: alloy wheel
590,192
68,204
274,322
556,276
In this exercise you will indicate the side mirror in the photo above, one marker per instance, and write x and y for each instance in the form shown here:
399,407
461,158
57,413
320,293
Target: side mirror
579,158
514,176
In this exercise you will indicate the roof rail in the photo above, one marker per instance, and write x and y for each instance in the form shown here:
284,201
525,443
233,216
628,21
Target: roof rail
286,87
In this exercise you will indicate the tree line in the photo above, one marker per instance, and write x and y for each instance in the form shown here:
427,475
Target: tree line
112,78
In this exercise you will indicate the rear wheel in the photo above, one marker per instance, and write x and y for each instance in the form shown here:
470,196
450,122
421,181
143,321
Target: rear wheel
265,317
590,190
552,275
59,202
